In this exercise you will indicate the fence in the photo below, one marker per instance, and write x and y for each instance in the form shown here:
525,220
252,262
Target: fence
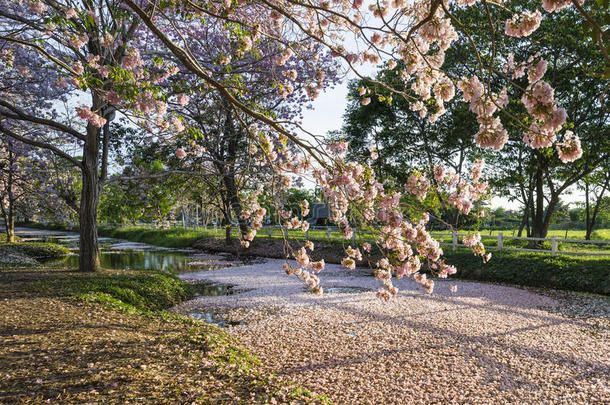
331,233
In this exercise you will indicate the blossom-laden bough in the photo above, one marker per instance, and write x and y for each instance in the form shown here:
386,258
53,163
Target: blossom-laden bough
126,54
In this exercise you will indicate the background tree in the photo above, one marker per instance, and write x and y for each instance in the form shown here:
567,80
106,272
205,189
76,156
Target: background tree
53,52
595,186
536,177
19,177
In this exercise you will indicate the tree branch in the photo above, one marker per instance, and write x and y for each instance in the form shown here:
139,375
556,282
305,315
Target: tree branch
43,145
22,116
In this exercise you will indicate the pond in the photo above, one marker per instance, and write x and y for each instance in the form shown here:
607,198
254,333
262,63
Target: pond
218,318
119,254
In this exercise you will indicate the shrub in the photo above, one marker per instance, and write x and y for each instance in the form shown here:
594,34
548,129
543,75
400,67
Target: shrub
587,274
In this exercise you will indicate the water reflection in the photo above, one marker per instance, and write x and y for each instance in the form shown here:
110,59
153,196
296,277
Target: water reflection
217,318
139,260
117,254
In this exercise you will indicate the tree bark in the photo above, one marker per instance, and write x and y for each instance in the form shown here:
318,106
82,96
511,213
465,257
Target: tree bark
9,213
538,212
591,218
588,224
9,224
524,220
231,186
89,255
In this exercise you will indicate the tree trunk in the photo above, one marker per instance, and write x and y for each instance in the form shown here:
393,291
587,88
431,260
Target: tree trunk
592,217
9,212
229,181
544,230
522,224
588,224
89,255
538,213
228,226
10,224
232,136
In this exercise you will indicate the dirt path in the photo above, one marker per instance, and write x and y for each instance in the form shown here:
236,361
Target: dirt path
483,344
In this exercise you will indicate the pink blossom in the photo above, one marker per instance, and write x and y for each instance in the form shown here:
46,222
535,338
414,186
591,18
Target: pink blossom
349,263
132,59
180,153
569,150
78,68
556,5
37,7
318,266
177,124
522,25
91,117
535,73
70,13
113,97
104,71
79,41
183,99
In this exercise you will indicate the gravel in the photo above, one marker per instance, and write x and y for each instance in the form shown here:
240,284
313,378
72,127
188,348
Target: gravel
484,343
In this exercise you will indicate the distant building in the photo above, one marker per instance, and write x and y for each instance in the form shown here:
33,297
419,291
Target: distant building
319,214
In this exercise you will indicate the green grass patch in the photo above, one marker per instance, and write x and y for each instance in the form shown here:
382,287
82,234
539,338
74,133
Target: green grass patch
36,250
3,238
586,274
174,238
599,234
131,290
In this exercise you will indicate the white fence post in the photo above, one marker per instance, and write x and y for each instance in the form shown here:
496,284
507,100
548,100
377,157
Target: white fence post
454,239
307,234
553,245
500,240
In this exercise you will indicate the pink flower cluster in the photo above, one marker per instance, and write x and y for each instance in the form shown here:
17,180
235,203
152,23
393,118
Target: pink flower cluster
77,41
132,59
406,245
491,133
569,150
556,5
182,99
523,24
539,101
180,153
37,7
474,241
418,185
91,117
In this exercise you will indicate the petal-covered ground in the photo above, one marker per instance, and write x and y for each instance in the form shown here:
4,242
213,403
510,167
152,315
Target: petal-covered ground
484,343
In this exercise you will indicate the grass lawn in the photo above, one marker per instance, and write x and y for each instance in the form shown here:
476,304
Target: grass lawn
178,237
599,234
